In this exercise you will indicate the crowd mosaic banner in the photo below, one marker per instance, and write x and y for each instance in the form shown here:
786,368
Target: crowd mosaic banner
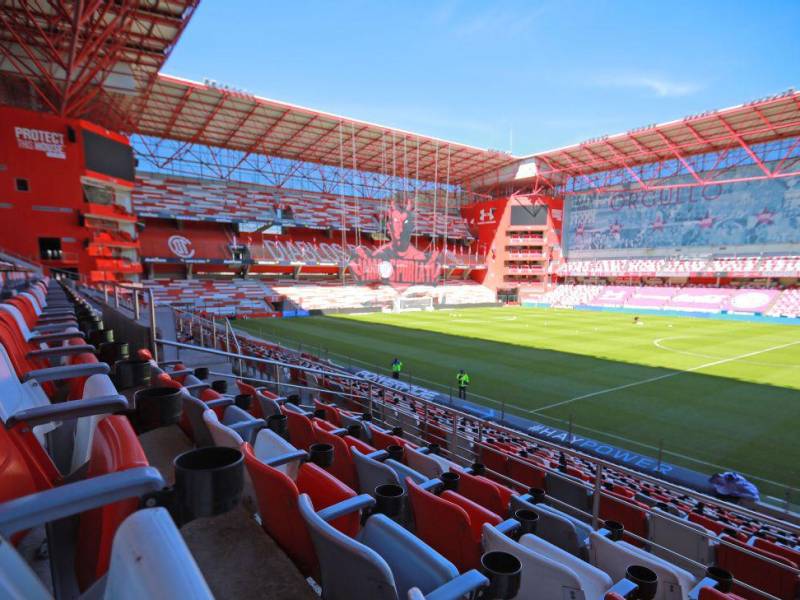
734,216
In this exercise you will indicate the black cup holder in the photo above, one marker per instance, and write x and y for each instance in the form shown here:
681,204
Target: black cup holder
723,578
450,481
279,424
220,386
366,417
478,468
646,581
354,430
101,336
321,455
156,407
504,572
615,530
433,448
528,521
208,482
132,372
397,432
538,495
389,499
395,452
111,352
201,373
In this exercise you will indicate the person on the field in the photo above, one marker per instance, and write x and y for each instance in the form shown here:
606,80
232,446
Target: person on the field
463,381
397,368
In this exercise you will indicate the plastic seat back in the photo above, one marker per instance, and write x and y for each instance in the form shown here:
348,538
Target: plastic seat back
620,509
758,573
615,557
269,444
301,431
221,433
115,447
348,568
372,473
404,471
547,575
558,528
412,562
569,490
192,419
149,559
424,463
487,493
277,495
343,466
680,536
444,526
529,475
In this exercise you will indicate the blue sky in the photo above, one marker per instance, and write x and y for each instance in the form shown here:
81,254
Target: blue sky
554,72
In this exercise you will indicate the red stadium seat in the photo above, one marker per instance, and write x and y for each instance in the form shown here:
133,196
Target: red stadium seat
301,430
277,498
115,448
618,509
526,473
765,576
485,492
450,524
343,467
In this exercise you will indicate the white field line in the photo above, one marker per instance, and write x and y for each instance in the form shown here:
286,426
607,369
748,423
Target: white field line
520,410
665,376
661,346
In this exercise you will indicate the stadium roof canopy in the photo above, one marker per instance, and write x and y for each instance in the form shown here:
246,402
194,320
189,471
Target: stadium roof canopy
213,115
82,58
764,120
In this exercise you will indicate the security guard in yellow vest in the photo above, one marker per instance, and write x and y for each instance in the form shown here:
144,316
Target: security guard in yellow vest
397,368
463,381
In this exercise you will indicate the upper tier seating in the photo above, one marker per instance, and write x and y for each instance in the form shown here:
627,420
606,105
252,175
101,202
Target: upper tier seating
749,266
228,202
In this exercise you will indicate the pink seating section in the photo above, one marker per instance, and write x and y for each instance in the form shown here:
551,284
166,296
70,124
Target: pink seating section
746,266
771,302
160,196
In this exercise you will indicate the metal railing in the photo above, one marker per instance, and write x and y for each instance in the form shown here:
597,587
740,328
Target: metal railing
465,450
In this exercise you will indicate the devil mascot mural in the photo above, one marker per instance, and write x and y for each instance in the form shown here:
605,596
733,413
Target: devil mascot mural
397,262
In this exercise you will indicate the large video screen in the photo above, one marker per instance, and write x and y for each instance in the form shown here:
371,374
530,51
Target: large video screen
108,156
529,215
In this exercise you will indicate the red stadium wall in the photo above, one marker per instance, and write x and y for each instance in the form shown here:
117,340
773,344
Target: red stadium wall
46,151
490,222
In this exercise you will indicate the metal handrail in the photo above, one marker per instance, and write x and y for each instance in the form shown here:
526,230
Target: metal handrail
457,414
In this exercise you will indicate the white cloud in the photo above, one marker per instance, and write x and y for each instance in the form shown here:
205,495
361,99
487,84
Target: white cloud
660,86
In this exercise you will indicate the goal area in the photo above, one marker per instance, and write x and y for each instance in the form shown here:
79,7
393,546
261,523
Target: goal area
409,303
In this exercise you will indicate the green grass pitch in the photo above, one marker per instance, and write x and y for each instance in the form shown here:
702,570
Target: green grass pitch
717,394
